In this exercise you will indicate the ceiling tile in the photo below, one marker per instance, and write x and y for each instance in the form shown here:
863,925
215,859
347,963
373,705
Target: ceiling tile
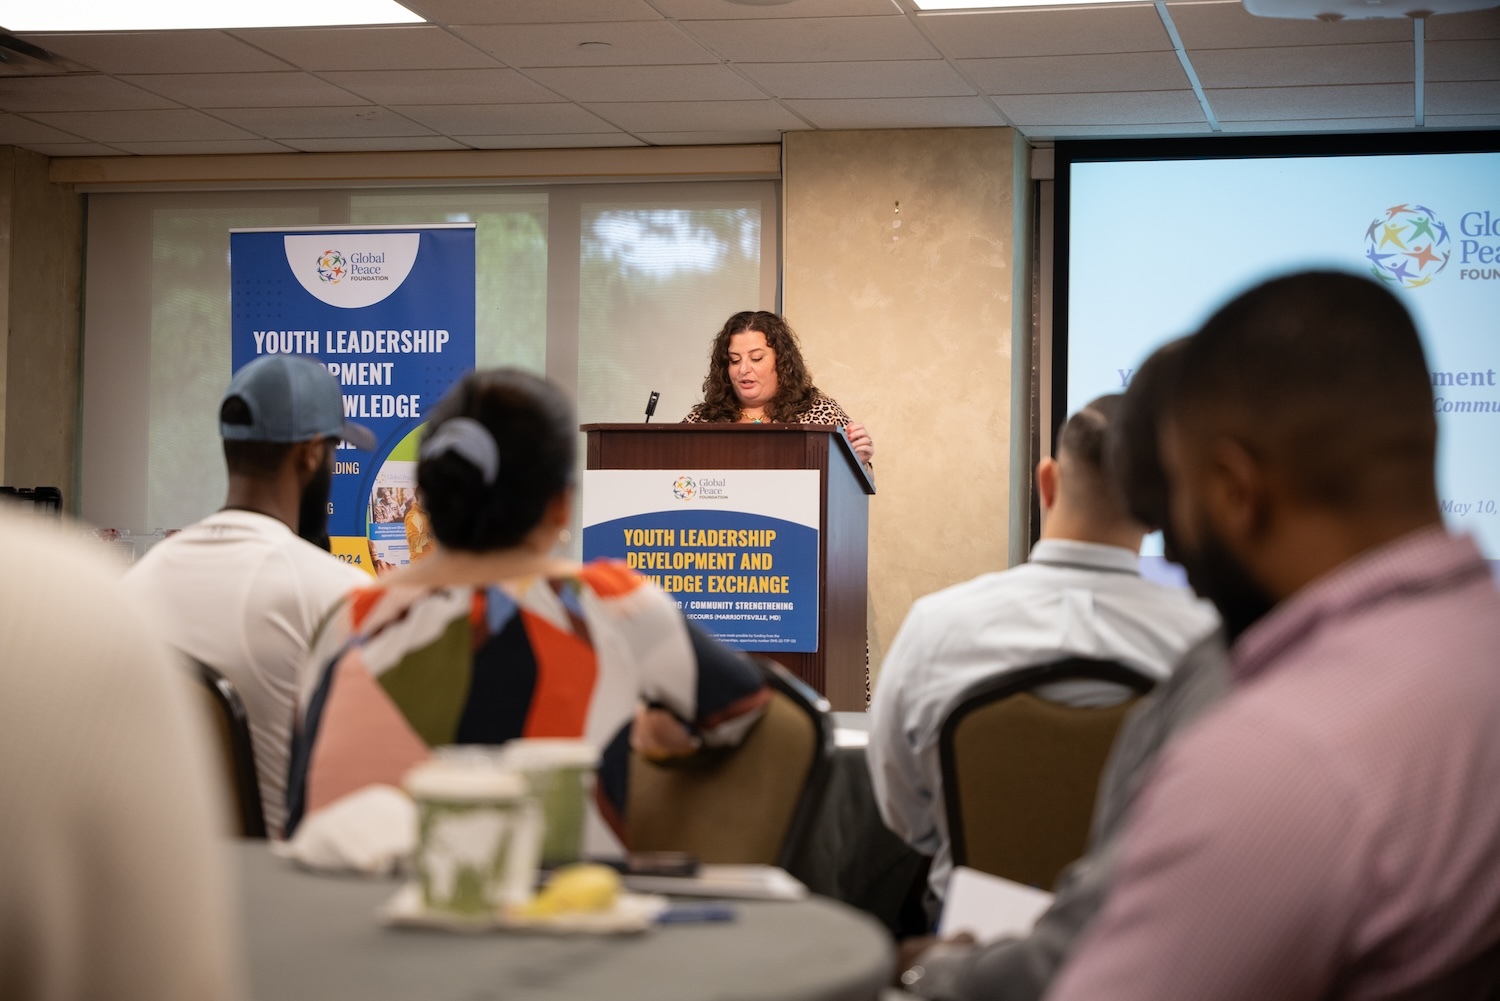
160,52
202,148
532,11
711,138
1160,107
1478,59
142,126
74,93
558,141
1288,104
415,47
891,78
631,43
505,119
648,83
360,144
1228,25
1097,73
699,10
1320,125
1040,132
312,123
1475,98
699,116
898,113
247,90
1305,65
478,86
73,149
1062,32
1477,24
813,39
18,131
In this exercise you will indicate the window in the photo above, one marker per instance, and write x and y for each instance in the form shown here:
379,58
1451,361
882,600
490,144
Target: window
610,290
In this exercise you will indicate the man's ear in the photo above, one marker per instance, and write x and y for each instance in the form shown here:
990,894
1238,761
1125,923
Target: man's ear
308,457
1237,494
1048,477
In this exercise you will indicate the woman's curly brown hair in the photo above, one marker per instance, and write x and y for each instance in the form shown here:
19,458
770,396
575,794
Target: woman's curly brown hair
795,392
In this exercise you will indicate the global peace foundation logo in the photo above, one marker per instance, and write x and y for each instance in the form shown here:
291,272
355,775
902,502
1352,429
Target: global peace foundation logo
331,267
684,488
1407,246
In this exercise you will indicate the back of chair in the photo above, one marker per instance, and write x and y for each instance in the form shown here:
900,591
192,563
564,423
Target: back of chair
1020,773
235,752
746,804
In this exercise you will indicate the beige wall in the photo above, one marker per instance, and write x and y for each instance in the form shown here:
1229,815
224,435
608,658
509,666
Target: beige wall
41,269
909,328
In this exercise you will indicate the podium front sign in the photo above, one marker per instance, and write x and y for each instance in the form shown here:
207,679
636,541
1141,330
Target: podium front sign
737,548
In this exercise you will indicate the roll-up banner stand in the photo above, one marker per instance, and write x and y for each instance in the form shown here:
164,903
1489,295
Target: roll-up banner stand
389,310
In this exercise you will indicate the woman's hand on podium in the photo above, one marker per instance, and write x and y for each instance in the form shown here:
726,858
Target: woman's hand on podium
860,440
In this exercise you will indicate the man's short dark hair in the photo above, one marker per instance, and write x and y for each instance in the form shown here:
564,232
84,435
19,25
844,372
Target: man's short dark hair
1322,375
1080,453
1082,436
256,459
1132,452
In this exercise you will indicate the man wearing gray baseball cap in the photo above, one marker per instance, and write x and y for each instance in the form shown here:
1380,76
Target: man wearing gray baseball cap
245,589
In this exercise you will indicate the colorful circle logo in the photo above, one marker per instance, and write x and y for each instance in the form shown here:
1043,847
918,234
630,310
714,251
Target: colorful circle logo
1407,246
685,488
331,266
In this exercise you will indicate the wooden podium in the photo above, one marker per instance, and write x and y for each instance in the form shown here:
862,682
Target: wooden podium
838,667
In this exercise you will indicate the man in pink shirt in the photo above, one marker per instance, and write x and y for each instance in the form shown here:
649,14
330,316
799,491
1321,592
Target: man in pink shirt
1332,830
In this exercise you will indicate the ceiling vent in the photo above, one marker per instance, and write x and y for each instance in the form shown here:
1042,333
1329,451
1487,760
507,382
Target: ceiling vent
18,58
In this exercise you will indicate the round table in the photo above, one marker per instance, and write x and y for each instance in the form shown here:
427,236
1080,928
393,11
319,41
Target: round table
317,937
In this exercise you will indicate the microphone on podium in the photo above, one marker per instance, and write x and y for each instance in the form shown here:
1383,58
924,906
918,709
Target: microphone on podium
651,405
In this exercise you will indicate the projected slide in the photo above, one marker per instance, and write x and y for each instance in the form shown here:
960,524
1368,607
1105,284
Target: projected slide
1155,246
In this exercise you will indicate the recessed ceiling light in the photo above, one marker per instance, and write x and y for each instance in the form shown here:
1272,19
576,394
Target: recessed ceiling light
997,4
167,15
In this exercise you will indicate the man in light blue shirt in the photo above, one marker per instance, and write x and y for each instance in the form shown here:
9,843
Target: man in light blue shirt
1081,595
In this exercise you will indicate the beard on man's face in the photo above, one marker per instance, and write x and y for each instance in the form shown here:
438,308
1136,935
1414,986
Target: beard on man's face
1217,575
312,511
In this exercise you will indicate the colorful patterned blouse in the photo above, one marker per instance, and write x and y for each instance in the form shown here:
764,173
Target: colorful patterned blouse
406,670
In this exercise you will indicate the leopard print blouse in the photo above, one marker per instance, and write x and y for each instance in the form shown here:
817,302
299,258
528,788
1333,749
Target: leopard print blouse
824,410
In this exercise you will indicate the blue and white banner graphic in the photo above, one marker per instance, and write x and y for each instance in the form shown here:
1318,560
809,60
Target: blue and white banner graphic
737,548
390,312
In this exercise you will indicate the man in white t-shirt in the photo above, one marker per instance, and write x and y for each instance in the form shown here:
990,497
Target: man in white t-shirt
1080,595
245,589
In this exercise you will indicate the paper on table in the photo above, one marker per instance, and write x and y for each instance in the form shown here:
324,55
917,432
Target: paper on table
744,882
989,907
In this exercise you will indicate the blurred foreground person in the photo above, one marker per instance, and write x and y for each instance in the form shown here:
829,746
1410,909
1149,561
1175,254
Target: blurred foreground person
111,884
493,637
1331,829
1019,969
244,589
1080,594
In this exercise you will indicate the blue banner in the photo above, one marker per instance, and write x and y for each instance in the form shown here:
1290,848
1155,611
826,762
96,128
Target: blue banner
390,312
737,549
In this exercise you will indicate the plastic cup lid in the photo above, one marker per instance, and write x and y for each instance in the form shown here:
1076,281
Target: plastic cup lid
542,753
464,782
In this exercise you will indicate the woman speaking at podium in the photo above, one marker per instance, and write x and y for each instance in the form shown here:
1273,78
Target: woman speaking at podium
756,376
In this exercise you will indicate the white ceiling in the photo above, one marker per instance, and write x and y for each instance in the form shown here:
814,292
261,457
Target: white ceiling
497,74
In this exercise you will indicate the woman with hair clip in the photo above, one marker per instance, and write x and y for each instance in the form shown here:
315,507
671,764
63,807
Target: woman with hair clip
492,636
756,376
